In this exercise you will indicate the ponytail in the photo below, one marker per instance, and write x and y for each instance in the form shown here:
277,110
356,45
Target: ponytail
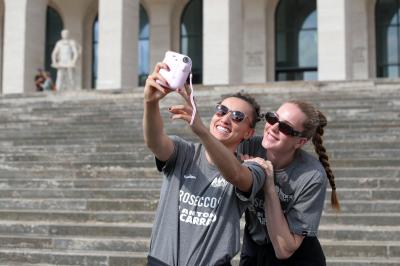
314,129
323,158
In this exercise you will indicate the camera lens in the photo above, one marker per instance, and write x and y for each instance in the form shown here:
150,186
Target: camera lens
185,59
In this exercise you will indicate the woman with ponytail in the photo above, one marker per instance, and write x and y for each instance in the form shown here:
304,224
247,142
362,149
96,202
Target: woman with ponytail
282,225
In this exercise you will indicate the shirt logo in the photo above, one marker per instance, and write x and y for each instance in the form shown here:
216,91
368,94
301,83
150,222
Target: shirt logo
189,177
219,182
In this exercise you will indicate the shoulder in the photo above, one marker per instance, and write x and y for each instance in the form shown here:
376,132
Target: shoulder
253,147
310,166
183,145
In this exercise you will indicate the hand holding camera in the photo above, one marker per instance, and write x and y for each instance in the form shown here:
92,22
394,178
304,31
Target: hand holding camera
180,67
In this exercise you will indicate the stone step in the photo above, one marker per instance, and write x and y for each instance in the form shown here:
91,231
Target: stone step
362,219
361,249
18,173
72,257
366,193
154,193
366,206
79,204
349,261
123,193
75,230
114,244
133,182
331,146
82,216
367,182
359,233
347,206
149,161
72,216
332,232
356,252
145,156
81,183
55,173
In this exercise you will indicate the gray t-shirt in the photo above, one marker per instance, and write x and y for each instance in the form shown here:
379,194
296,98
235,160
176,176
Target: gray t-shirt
198,216
301,188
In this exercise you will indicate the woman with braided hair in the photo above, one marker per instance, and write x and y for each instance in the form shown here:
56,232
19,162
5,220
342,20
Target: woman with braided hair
281,226
283,220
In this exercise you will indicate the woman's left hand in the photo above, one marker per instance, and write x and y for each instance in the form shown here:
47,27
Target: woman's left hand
184,112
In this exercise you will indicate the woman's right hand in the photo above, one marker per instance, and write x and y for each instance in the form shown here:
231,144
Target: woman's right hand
268,171
153,91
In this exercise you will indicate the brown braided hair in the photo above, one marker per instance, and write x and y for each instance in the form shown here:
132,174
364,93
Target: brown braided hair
314,129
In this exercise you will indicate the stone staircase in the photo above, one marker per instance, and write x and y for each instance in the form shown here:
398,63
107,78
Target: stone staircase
79,187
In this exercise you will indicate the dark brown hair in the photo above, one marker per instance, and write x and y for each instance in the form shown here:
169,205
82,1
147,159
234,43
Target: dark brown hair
250,100
314,130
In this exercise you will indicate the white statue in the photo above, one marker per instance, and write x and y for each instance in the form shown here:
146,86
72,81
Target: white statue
64,57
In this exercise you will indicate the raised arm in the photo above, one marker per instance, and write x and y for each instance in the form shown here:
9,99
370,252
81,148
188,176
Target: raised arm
217,152
231,169
153,128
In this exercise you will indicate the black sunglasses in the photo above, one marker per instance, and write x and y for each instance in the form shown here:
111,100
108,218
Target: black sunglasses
286,129
236,116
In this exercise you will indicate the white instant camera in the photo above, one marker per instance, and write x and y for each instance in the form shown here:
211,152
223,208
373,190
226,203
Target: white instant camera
180,67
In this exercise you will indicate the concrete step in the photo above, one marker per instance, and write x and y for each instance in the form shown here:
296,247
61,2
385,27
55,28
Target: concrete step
52,172
347,206
75,229
141,154
379,261
362,219
138,193
154,193
367,182
149,162
361,249
117,244
72,216
357,232
366,206
79,204
72,257
367,193
81,183
107,258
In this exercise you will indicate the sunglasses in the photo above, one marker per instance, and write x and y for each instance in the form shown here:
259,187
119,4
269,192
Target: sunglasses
236,116
283,127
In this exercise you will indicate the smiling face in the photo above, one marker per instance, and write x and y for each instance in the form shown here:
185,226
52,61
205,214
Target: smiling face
277,142
226,130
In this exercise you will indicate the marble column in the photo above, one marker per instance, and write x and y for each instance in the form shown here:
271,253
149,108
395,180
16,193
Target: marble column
160,31
222,42
333,40
254,41
118,44
24,44
358,37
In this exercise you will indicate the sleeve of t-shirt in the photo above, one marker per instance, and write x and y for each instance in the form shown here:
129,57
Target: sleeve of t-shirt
304,216
252,147
258,175
182,151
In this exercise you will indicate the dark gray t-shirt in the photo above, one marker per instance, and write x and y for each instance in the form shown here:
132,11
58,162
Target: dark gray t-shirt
301,188
198,216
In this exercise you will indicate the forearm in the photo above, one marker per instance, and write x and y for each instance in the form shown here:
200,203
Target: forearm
285,243
225,160
153,132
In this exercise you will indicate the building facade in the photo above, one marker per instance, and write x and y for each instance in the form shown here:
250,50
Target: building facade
229,41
